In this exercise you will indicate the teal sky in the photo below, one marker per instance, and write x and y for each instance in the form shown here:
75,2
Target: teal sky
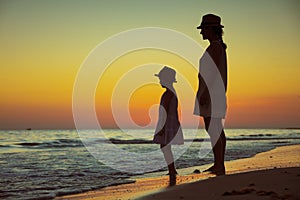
87,20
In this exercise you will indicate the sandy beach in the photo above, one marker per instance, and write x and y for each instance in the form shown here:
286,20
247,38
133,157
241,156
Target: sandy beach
269,175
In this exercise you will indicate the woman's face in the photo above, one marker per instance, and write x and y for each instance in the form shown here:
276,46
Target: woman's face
206,32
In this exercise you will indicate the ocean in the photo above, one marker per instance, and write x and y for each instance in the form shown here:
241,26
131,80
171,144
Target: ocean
43,164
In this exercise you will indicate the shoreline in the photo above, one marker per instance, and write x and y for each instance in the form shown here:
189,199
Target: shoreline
280,157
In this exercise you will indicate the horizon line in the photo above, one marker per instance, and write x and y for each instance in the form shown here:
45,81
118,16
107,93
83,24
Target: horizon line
128,128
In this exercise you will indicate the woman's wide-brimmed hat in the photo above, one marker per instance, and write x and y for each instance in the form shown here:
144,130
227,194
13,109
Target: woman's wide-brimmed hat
210,20
167,74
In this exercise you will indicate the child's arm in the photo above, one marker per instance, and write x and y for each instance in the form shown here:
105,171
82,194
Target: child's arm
163,113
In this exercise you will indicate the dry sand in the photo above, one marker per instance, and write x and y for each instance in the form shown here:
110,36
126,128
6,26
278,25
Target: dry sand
280,183
269,175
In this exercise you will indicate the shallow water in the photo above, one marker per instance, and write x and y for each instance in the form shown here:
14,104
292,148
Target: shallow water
42,164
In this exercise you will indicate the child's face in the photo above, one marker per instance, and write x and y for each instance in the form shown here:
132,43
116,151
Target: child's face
164,83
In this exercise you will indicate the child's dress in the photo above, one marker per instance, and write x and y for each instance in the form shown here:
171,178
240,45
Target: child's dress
168,129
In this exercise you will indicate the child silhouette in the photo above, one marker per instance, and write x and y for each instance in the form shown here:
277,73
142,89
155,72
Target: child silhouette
168,130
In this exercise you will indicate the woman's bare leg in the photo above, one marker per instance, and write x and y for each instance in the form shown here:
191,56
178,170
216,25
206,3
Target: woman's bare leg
218,141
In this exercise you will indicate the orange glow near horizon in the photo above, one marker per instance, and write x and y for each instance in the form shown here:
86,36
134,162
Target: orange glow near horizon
124,80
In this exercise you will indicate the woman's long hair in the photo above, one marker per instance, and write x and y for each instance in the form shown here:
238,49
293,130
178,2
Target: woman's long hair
219,32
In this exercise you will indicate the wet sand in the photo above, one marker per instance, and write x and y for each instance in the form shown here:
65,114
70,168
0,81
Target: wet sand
269,175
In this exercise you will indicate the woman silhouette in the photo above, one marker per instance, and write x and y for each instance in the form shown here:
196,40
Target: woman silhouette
211,95
168,130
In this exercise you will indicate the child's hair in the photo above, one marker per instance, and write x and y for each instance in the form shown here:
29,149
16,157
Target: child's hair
219,32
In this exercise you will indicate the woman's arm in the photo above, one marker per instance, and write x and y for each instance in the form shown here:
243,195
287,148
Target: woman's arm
203,91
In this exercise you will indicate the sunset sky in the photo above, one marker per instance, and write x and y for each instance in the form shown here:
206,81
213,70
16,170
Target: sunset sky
44,43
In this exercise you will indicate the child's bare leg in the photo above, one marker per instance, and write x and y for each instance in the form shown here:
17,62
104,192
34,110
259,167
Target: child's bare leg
166,149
